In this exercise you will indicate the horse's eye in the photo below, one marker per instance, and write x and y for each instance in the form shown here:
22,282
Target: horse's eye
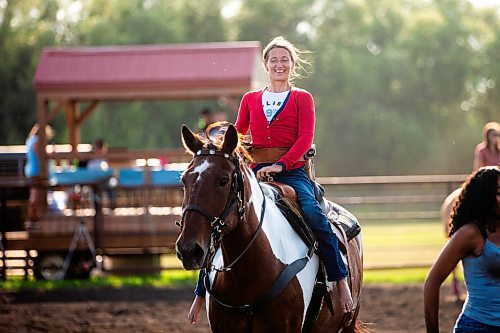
223,181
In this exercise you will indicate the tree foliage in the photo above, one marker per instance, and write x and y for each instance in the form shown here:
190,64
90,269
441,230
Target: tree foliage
400,87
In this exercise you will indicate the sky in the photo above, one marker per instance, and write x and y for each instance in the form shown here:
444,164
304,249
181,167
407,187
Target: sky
486,3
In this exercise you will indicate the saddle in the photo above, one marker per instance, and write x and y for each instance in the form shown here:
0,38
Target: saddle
338,216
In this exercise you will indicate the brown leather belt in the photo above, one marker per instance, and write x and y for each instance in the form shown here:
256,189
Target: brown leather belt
269,155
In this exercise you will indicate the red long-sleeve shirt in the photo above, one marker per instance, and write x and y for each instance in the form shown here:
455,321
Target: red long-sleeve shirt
292,127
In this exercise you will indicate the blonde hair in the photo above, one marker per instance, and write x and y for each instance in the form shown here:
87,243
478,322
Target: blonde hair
491,126
299,63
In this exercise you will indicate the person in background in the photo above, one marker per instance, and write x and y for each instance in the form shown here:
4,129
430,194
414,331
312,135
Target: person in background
220,116
283,116
488,151
38,194
206,118
474,240
98,161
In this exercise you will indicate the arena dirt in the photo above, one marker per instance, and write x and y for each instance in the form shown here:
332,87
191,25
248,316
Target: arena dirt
384,309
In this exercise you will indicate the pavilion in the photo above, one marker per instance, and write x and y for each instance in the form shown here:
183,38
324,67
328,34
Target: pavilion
67,77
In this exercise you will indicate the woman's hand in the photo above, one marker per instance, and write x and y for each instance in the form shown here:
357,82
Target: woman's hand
266,173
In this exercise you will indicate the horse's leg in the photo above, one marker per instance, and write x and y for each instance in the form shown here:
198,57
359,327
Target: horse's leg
445,213
328,323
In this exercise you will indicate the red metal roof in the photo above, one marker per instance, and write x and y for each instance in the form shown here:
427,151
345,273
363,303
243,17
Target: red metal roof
150,71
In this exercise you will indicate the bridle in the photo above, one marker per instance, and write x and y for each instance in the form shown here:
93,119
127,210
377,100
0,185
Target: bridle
217,223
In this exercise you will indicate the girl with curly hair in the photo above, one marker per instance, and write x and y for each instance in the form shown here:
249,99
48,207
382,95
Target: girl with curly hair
474,240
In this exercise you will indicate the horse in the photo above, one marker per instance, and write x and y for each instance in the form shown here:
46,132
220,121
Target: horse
261,276
445,213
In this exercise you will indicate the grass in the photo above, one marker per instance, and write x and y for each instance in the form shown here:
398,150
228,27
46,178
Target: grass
395,276
402,243
179,278
170,278
393,243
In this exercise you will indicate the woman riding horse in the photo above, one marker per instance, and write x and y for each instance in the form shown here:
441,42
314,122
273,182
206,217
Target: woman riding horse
283,116
262,277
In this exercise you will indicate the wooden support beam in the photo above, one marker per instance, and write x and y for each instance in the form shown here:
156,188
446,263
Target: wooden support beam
55,111
73,116
88,111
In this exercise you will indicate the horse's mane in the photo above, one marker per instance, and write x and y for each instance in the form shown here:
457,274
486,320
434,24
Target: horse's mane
213,137
269,191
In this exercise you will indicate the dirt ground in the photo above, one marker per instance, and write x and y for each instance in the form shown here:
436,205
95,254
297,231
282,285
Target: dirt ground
384,309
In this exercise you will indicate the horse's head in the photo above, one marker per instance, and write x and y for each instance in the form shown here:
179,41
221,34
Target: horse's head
212,194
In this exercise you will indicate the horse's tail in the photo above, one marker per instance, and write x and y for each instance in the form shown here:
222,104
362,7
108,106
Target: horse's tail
359,327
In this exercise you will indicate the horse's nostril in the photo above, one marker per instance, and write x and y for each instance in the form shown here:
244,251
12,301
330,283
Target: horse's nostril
197,253
191,256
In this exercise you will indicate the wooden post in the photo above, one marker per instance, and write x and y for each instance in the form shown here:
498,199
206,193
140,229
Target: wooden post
98,217
72,110
41,110
3,246
41,183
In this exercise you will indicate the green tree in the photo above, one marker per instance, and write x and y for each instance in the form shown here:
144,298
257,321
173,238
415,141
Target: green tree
391,86
155,124
24,30
263,19
400,87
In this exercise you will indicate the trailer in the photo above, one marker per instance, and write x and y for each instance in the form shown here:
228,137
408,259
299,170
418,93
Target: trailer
115,215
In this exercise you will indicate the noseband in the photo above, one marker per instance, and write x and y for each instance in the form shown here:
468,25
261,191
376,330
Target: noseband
218,222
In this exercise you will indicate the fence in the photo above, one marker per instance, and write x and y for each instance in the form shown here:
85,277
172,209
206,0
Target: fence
374,200
392,197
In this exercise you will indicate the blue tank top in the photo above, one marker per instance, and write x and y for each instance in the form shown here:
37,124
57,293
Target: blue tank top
32,167
482,278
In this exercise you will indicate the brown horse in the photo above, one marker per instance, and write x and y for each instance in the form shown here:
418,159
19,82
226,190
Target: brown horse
261,275
445,214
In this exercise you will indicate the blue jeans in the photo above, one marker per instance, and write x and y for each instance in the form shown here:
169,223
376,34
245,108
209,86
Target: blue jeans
328,246
200,289
468,325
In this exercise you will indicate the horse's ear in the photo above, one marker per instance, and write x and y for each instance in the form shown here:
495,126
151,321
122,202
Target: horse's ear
190,141
230,139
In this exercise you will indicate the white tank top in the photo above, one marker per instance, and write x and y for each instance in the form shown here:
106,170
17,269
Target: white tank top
273,102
